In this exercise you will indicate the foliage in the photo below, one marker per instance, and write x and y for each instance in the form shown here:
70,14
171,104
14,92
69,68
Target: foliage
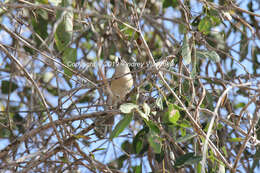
194,104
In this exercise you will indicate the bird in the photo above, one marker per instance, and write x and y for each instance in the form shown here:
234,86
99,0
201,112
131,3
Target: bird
121,83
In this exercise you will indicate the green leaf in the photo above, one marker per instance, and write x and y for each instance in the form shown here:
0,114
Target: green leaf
215,20
243,46
129,31
205,25
224,151
127,147
52,90
86,98
138,143
127,108
169,3
153,127
121,126
159,157
187,159
118,162
7,85
214,17
216,39
63,34
235,139
69,58
239,105
182,28
155,141
63,159
194,159
82,137
256,61
40,22
199,167
5,133
257,154
183,132
185,50
186,138
184,124
212,55
137,169
43,1
29,50
174,116
98,149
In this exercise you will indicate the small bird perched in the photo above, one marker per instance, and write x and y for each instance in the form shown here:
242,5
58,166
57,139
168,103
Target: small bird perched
121,84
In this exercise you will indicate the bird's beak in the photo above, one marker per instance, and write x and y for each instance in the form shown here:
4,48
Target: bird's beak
119,59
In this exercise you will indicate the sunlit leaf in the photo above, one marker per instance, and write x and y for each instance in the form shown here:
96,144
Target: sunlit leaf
55,2
159,103
239,105
235,139
185,50
221,168
128,107
43,1
174,116
205,25
224,151
227,15
47,76
143,115
183,132
146,108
